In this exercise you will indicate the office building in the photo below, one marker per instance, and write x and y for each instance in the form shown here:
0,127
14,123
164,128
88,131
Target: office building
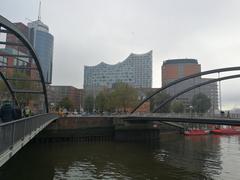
177,68
174,69
42,42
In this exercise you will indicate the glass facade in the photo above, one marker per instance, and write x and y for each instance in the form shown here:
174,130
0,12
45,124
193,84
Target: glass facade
42,42
44,50
136,70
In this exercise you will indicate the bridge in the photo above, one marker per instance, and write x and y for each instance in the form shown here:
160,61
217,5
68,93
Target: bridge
22,84
22,81
15,134
232,119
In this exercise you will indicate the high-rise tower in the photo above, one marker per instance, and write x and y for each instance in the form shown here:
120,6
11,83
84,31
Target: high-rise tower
42,41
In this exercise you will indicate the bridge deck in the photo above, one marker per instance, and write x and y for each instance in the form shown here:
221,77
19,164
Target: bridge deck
233,119
14,135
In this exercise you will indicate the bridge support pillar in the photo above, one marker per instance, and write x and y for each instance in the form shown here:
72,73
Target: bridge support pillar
141,130
144,131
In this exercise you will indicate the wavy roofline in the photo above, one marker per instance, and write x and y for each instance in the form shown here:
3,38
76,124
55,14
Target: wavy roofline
130,55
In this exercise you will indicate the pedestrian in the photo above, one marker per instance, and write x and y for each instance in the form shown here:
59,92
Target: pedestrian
228,114
27,111
7,112
222,113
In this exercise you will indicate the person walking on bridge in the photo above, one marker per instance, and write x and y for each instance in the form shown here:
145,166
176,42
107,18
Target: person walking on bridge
27,111
7,112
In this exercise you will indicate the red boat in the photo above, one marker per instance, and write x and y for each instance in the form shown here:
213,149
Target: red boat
225,131
196,132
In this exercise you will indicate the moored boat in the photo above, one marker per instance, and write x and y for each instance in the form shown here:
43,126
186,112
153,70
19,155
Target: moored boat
196,132
225,131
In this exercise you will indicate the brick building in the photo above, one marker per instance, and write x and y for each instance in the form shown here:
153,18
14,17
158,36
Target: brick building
57,93
174,69
11,38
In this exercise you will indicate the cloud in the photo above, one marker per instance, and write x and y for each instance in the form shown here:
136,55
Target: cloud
89,31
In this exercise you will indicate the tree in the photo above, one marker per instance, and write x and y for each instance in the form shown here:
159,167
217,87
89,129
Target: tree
201,103
2,86
124,96
110,103
89,103
65,103
120,98
177,107
102,101
21,84
159,99
25,98
22,98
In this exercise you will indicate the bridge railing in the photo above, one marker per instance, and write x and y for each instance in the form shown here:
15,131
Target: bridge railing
14,131
189,115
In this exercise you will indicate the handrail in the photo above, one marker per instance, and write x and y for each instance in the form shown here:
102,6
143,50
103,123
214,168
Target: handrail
20,132
22,119
186,115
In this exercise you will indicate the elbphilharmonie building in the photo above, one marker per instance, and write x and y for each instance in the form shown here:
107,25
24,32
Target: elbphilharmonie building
136,70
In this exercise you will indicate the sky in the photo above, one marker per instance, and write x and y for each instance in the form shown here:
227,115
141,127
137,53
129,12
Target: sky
87,32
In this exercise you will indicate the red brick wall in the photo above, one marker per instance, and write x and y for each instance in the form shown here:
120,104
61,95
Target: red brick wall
191,69
169,71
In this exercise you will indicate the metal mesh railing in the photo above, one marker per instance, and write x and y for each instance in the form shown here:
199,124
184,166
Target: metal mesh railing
189,115
12,132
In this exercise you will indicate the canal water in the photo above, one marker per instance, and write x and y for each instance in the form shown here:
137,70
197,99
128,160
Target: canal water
173,157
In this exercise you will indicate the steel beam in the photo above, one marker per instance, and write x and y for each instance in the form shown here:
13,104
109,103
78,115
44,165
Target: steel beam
14,30
15,55
11,43
27,91
237,68
9,88
5,31
18,67
21,79
194,87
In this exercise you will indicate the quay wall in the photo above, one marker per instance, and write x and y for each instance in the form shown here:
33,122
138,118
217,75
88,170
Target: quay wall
99,128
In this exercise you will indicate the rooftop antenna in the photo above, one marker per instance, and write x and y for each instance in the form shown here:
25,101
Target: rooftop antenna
39,11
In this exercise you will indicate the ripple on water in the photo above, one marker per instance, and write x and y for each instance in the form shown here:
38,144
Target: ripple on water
176,157
87,170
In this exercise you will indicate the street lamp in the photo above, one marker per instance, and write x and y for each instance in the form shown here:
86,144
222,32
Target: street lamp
190,108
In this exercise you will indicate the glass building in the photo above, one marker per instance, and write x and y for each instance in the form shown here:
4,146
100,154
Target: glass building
136,70
42,42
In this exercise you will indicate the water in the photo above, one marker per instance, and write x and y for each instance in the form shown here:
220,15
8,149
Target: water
173,157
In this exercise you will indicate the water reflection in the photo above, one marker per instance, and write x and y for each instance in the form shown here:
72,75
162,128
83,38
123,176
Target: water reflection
173,157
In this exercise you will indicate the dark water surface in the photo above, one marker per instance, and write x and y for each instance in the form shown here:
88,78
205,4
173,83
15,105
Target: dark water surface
173,157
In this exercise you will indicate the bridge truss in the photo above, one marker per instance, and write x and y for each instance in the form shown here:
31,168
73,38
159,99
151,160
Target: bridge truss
21,77
178,81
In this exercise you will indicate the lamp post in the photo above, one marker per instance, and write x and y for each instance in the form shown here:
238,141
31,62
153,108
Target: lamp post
190,108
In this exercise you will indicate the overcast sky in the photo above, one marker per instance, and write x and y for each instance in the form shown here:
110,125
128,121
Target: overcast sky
87,32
